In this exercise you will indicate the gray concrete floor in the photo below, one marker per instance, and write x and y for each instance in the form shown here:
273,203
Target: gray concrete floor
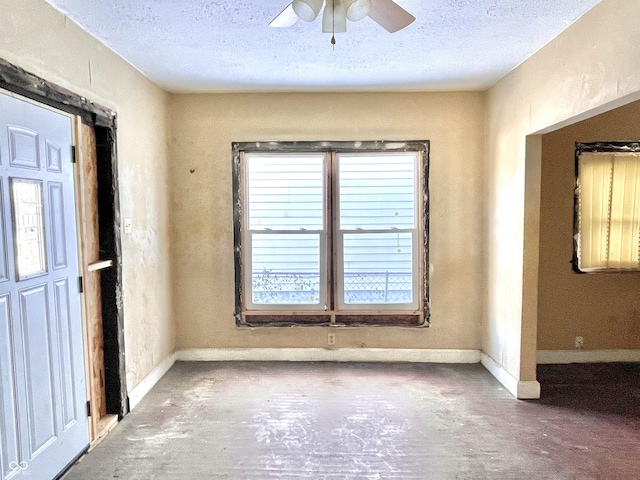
364,421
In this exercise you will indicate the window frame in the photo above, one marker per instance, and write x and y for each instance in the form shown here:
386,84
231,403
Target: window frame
315,315
594,147
339,234
324,239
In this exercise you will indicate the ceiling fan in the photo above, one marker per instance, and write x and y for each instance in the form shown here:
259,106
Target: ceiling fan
386,13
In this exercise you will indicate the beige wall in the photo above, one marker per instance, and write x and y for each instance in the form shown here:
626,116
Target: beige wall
604,309
488,273
592,66
42,41
203,128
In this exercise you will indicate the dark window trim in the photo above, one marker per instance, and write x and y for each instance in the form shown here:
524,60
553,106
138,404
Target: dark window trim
593,147
325,147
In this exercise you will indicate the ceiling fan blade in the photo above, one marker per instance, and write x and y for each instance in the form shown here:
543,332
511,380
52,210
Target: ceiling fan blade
389,15
286,18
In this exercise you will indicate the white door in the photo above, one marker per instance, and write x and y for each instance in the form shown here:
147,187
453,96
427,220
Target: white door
43,418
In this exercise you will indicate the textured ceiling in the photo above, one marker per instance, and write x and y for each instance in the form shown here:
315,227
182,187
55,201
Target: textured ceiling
218,46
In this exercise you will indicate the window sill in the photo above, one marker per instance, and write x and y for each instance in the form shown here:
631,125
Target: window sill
329,319
591,271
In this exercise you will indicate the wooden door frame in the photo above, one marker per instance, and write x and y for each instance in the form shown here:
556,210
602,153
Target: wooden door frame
103,121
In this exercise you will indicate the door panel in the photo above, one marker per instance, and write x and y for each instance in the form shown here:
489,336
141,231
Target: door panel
42,389
38,372
23,148
9,447
4,267
65,351
54,157
56,215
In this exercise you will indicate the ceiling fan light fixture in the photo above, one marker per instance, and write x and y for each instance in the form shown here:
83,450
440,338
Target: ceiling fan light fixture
334,19
307,10
356,9
386,13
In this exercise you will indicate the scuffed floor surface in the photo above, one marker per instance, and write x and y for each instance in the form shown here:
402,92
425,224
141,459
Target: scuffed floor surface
367,421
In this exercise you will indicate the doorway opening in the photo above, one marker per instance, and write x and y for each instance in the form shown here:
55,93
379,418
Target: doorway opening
100,123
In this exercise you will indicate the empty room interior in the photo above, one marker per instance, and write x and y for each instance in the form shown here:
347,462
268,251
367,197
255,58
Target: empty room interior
373,239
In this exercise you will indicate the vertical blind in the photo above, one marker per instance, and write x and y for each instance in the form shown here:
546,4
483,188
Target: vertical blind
609,211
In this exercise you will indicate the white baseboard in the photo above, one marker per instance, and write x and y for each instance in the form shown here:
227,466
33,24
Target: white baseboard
545,357
524,390
139,391
328,355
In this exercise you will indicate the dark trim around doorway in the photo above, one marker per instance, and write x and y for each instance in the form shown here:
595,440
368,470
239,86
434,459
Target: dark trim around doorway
103,120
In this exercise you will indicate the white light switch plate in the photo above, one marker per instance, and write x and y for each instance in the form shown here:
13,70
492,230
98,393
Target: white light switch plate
127,225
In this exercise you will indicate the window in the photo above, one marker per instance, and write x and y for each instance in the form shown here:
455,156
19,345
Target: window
28,221
607,207
331,232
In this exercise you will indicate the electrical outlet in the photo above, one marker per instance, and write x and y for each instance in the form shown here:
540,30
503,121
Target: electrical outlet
331,339
579,342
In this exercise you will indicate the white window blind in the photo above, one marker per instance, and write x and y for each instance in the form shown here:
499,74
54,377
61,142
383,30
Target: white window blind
609,211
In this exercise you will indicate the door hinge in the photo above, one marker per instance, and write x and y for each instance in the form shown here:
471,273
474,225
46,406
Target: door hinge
73,154
80,285
88,408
